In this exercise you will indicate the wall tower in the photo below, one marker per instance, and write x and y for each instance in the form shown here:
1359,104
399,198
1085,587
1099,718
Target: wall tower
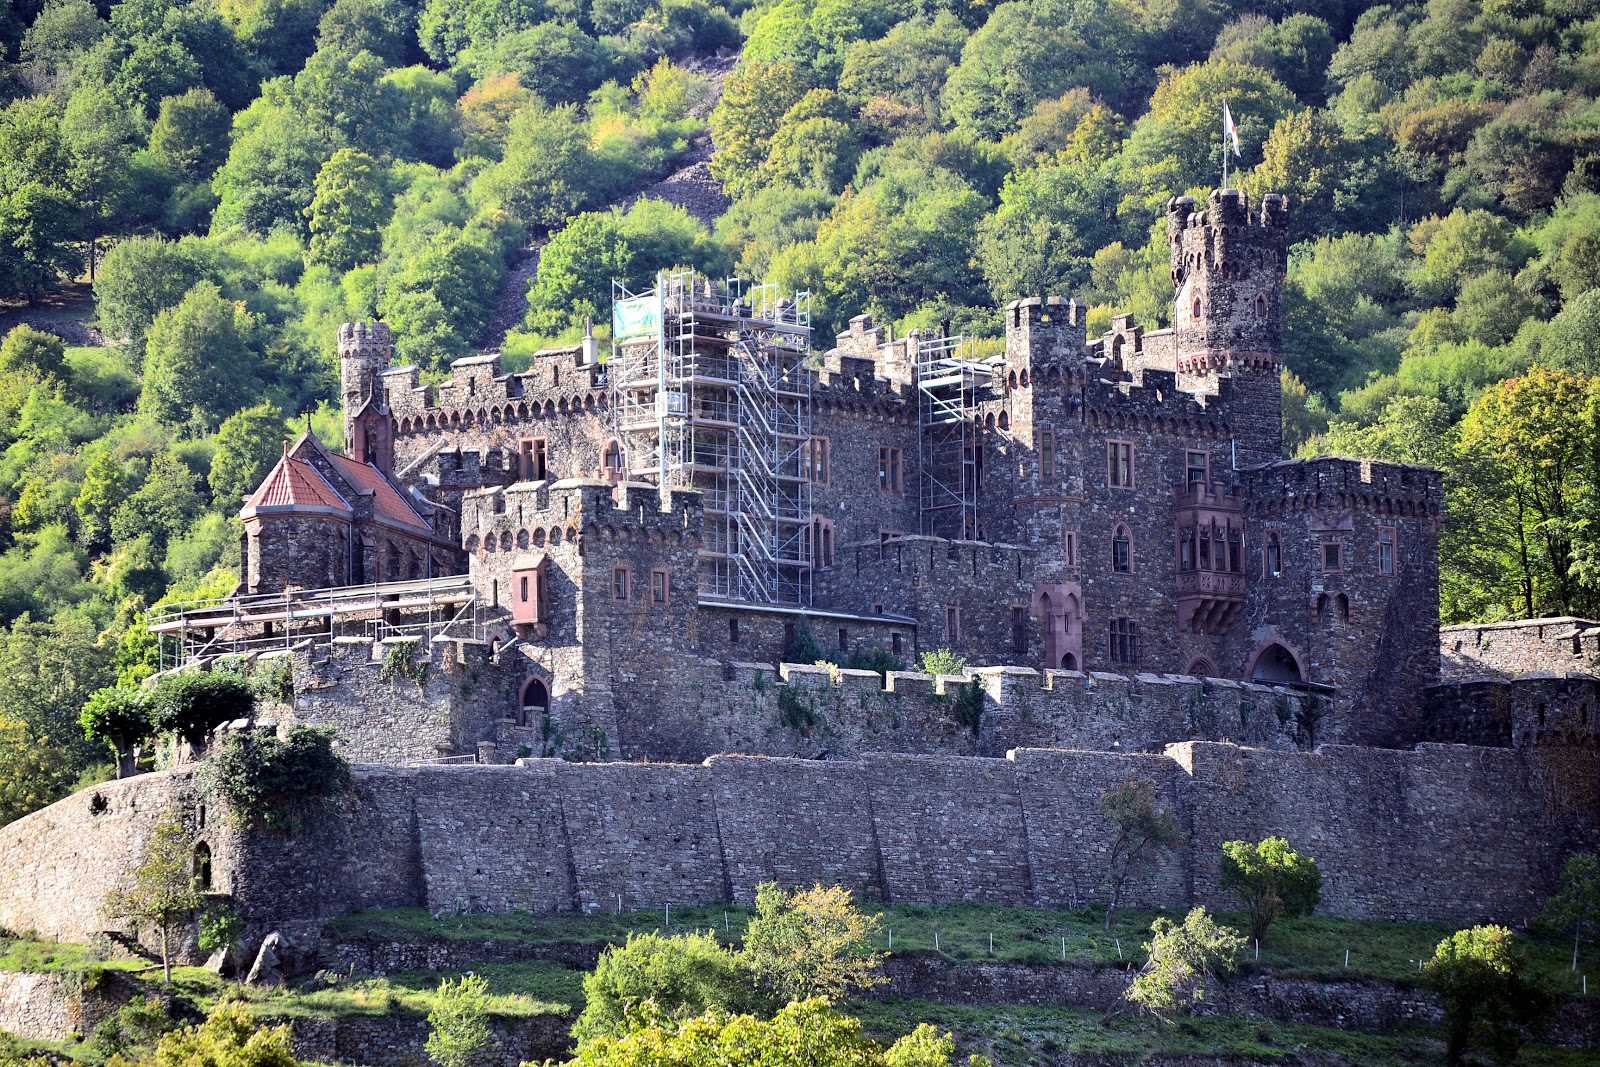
365,351
1227,320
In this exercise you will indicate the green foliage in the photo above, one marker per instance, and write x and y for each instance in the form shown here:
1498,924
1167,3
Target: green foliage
400,661
458,1025
160,890
1143,826
220,929
231,1034
276,782
348,208
1576,905
121,717
197,359
812,942
248,443
805,1032
682,975
1184,958
27,350
191,134
805,648
142,277
940,662
1481,982
1271,880
194,703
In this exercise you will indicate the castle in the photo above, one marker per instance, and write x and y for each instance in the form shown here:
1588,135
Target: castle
609,560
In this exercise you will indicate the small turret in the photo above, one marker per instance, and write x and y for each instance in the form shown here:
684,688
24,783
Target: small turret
365,352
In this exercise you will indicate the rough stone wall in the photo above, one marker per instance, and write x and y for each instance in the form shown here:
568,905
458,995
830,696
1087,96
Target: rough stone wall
1446,833
764,635
310,552
1507,649
1534,709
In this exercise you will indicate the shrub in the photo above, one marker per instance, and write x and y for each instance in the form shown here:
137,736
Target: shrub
122,717
1479,977
942,661
220,929
1576,906
811,943
274,782
192,705
232,1035
1184,958
804,648
1141,825
683,976
1271,880
459,1022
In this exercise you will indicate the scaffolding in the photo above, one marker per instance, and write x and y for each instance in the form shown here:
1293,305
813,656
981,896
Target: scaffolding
710,391
950,454
424,609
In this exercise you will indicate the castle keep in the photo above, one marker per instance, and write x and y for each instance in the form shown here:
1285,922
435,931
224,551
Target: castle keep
612,561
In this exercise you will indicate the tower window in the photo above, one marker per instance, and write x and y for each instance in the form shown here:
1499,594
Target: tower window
1121,551
1047,454
1386,542
619,583
952,625
1332,556
1274,556
658,586
534,465
1235,550
1119,464
817,460
1261,306
1019,630
1199,308
1071,546
1123,641
891,468
733,631
1197,465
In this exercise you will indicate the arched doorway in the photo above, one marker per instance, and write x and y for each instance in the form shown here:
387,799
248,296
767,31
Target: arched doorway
202,867
535,703
1274,662
1202,668
1069,662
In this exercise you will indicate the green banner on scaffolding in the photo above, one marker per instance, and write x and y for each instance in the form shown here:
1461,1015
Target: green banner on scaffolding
635,318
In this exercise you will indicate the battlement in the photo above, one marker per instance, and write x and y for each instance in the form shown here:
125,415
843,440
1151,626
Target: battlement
526,513
1229,208
559,381
357,337
1357,484
1152,397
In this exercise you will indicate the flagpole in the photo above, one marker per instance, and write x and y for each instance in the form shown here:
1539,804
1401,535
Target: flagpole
1224,144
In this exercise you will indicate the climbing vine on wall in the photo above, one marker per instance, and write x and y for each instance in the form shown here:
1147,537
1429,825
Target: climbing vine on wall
400,661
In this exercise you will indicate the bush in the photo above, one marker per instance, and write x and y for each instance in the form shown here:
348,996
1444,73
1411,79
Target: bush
1184,958
942,661
1479,977
230,1035
1271,880
811,943
192,705
459,1021
277,783
122,717
683,976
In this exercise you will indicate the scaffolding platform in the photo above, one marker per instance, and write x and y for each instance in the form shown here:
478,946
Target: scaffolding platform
424,609
950,453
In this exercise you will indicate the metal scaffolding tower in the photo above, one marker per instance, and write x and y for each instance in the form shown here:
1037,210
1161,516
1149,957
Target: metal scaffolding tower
950,453
710,391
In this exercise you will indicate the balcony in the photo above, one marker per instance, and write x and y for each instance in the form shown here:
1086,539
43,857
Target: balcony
1209,601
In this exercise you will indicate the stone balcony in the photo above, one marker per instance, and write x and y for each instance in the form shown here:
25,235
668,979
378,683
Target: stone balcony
1209,601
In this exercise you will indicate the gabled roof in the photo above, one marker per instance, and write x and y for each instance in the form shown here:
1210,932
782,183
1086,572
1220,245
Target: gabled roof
295,485
388,504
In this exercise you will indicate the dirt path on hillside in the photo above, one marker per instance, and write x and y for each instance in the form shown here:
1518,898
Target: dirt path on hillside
690,186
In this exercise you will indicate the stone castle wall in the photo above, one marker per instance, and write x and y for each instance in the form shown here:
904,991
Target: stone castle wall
1542,708
1507,649
1445,833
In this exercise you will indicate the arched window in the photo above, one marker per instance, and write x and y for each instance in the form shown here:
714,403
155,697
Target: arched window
1341,604
202,866
1274,556
1202,668
1121,551
535,703
1261,306
1005,421
821,542
611,462
1199,308
1275,663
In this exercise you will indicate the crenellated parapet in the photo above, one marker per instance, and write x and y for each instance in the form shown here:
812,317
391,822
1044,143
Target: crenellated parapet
477,396
1358,485
530,514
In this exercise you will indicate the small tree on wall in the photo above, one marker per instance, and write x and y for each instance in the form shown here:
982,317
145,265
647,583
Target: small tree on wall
1271,880
123,718
192,705
1576,905
162,891
1144,830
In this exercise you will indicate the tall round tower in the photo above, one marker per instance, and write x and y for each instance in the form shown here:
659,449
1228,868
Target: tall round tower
365,351
1227,318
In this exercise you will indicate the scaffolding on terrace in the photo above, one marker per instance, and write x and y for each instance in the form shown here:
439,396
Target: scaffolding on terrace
710,391
949,452
425,609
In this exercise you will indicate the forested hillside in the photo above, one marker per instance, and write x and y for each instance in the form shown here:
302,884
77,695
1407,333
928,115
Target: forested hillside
194,194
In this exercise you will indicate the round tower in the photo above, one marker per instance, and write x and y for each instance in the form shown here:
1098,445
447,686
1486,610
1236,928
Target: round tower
365,351
1227,317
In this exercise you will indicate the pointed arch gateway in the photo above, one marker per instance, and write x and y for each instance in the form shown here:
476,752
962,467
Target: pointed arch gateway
1275,661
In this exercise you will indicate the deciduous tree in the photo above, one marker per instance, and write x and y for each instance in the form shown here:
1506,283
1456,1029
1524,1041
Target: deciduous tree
160,890
815,942
1143,828
1482,983
1271,880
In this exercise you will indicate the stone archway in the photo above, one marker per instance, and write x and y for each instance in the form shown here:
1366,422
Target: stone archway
1275,662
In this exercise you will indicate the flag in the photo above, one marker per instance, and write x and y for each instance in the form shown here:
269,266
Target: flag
1230,132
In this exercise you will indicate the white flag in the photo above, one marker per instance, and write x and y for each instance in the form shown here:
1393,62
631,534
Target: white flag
1230,132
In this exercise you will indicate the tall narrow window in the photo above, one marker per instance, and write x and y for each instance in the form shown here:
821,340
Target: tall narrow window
1199,308
821,542
1123,641
658,586
844,640
1274,556
1071,539
1332,556
1235,550
533,460
972,467
1196,465
1019,630
818,460
611,462
891,476
1047,454
1121,551
1261,306
1386,541
1186,559
733,631
619,583
952,625
1205,547
1119,464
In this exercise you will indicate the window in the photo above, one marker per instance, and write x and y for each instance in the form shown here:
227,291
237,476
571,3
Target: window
1332,556
1186,550
844,640
733,631
897,645
1261,306
1119,464
1199,308
817,460
1205,547
1121,551
658,586
535,702
1235,550
1274,556
1071,539
821,542
1047,454
534,466
619,583
1124,641
972,466
952,625
884,537
1019,630
1197,465
1386,541
611,467
891,470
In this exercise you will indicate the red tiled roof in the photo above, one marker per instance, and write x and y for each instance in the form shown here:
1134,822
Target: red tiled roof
387,503
295,483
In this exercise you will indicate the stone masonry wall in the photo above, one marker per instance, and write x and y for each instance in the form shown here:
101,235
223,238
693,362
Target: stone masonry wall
1507,649
1446,833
